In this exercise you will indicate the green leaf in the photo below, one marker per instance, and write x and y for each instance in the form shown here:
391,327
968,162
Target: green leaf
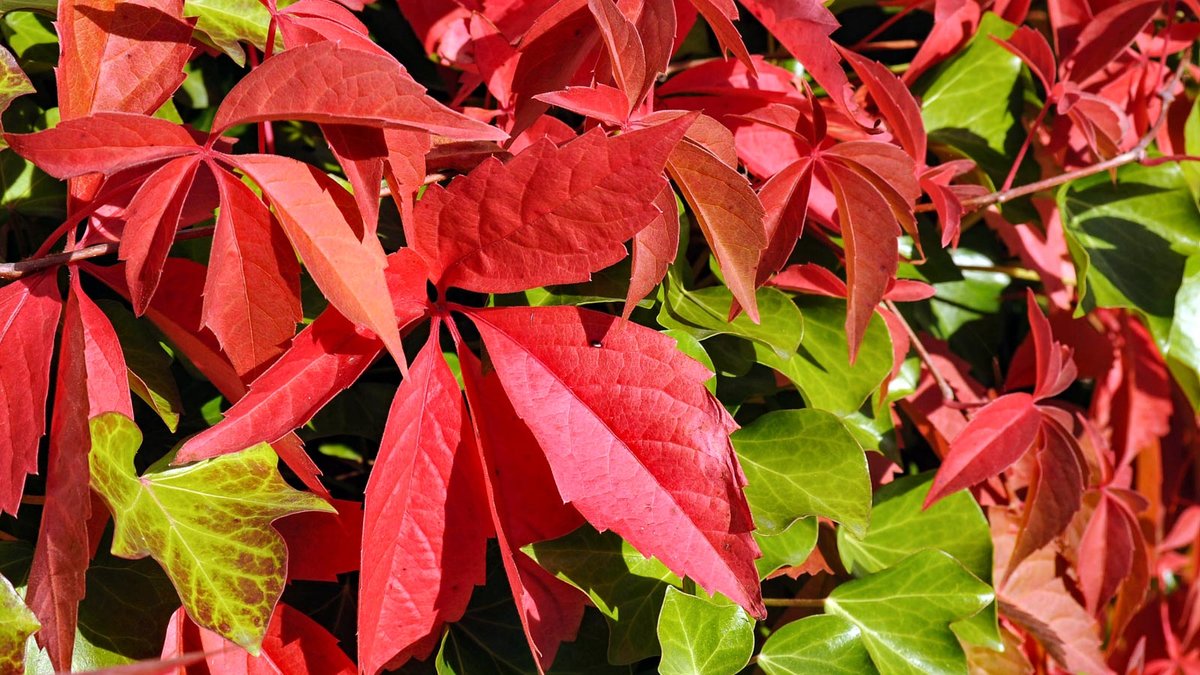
208,524
703,313
703,637
824,644
225,24
802,463
973,101
900,527
820,368
1114,231
148,363
26,190
1183,342
31,37
786,549
13,82
904,613
626,587
688,344
17,623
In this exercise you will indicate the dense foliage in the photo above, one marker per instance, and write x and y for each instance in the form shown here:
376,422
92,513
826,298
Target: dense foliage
508,336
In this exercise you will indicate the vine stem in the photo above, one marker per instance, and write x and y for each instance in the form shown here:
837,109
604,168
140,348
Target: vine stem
815,603
922,353
15,270
1137,153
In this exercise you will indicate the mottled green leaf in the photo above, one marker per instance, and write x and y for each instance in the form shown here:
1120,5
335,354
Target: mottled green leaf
17,623
703,637
208,524
825,644
703,313
13,83
904,613
802,463
820,368
786,549
148,363
626,587
900,527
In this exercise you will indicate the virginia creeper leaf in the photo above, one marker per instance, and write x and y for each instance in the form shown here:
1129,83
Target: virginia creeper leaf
654,249
628,461
229,579
102,143
151,222
703,637
823,643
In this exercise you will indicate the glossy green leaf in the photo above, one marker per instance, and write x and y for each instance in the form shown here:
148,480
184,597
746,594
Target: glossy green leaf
1183,343
900,527
226,23
26,190
904,613
820,368
148,363
972,102
626,587
802,463
703,313
688,344
17,623
703,637
825,644
786,549
208,524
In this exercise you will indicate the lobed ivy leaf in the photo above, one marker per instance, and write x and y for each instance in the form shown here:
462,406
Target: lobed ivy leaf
904,612
802,463
703,637
788,548
208,525
704,312
825,643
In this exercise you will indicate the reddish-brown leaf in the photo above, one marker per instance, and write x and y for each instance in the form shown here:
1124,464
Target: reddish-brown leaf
635,441
551,215
654,249
728,212
151,222
328,83
91,380
252,292
599,101
998,434
29,309
102,143
624,46
323,545
1055,369
424,532
1055,491
1105,553
324,226
895,102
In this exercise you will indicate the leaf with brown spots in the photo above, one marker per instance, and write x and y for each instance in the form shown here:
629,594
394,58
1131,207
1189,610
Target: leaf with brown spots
208,524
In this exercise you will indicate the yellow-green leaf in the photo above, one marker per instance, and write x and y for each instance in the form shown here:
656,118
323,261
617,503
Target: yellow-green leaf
17,623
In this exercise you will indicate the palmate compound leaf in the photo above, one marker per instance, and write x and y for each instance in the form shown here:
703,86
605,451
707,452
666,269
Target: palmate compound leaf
802,463
904,612
207,524
824,643
634,440
17,623
703,637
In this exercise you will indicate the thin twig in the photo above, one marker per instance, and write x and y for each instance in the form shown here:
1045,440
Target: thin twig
922,353
1137,153
16,270
815,603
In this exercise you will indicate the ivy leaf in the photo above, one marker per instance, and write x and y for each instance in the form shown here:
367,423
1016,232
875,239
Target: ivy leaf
13,83
703,637
229,579
627,587
802,463
17,623
226,23
704,312
904,612
788,548
824,643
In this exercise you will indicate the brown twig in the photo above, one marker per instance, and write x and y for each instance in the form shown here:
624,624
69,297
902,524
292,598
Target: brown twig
1137,153
815,603
922,353
15,270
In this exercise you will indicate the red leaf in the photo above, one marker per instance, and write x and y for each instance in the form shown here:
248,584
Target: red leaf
728,212
151,222
361,152
625,53
325,358
785,200
405,167
1055,491
523,508
654,249
549,216
1105,553
424,534
895,103
1105,36
998,434
120,56
102,143
720,15
600,102
810,278
323,545
294,645
1031,47
635,442
328,83
91,380
29,309
321,221
1055,369
252,292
